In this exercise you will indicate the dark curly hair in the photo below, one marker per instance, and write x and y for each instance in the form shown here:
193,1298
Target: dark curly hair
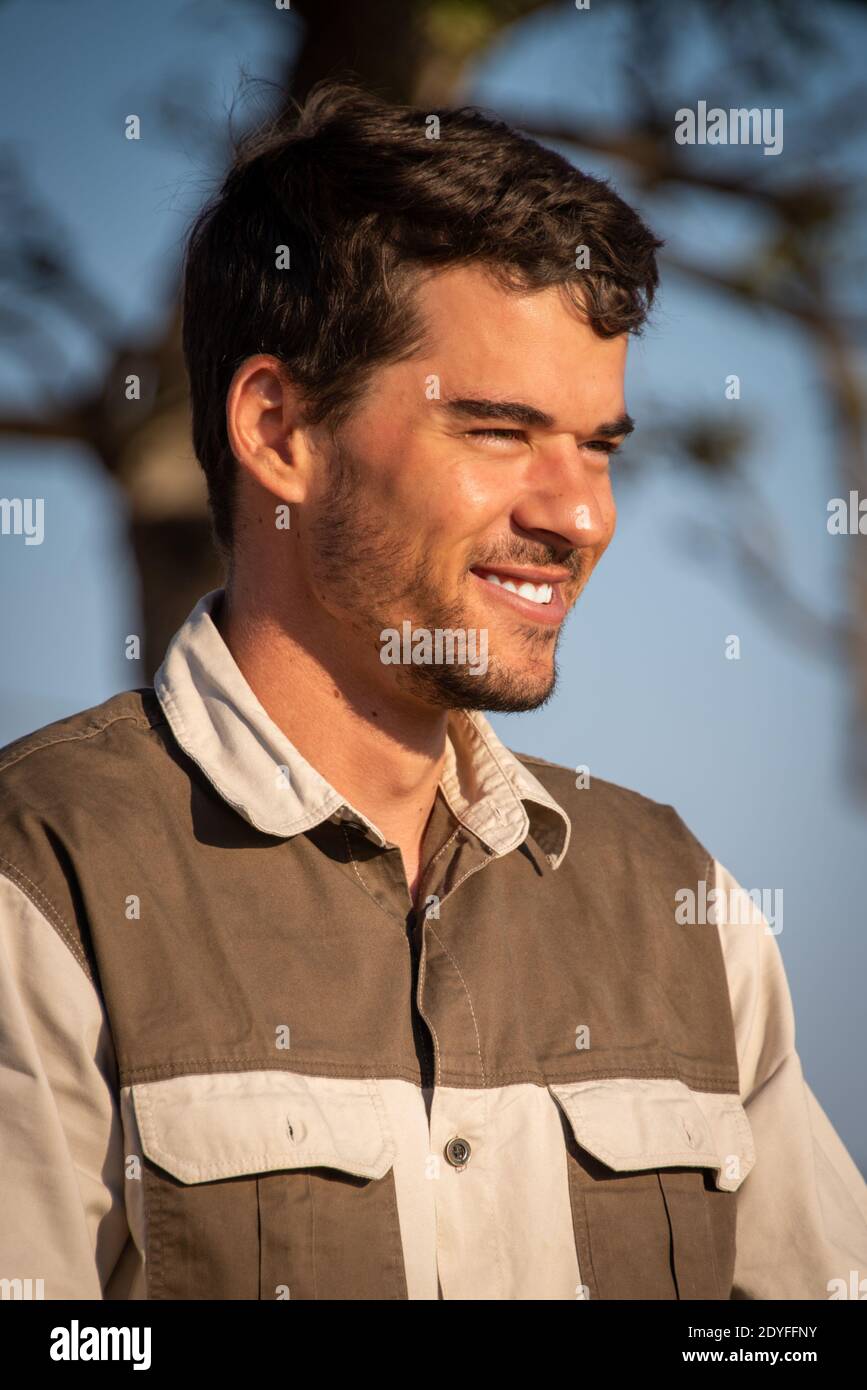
364,198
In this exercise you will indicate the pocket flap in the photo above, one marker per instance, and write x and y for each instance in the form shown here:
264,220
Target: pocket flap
220,1125
632,1124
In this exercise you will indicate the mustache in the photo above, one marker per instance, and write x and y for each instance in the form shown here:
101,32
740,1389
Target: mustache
573,560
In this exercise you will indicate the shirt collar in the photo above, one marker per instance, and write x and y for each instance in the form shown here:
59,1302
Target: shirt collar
220,724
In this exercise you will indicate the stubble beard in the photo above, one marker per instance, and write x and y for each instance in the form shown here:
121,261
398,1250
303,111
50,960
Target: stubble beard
374,577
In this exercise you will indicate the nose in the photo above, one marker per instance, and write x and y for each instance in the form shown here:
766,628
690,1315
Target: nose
563,495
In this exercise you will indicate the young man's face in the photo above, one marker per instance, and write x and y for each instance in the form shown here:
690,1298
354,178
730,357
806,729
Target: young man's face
428,493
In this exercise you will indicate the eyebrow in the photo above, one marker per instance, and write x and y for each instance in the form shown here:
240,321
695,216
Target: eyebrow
518,413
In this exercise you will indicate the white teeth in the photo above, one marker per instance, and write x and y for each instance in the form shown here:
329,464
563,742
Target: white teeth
536,593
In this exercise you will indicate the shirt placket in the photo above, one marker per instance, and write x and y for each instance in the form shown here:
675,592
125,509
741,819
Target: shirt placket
457,1117
451,854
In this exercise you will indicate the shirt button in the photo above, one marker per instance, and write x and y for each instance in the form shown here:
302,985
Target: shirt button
458,1153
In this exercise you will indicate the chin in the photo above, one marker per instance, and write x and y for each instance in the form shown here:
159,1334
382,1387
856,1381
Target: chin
511,697
498,690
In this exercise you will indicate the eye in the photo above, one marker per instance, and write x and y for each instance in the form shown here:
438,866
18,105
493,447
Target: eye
602,446
495,434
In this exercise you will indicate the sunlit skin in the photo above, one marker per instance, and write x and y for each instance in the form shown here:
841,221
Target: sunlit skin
400,515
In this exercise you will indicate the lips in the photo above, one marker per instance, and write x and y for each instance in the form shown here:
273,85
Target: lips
534,593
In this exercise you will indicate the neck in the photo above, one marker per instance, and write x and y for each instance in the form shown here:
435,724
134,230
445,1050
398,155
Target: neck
382,753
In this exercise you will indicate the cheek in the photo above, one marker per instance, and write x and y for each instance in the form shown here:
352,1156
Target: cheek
476,499
432,495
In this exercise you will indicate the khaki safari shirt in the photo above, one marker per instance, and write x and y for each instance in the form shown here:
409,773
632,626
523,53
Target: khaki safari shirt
236,1062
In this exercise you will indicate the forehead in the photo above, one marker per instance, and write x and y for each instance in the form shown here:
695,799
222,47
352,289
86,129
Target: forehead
489,341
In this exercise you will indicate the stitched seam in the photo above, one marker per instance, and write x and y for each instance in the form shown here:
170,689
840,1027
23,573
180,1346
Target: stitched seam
424,881
492,1208
483,740
153,1236
676,1242
398,1259
593,1281
581,1127
438,1075
698,1158
308,820
444,847
260,1236
312,1193
672,1239
469,999
77,738
457,815
145,1105
375,1096
709,875
260,1064
324,1158
540,762
393,916
550,804
711,1242
746,1134
48,910
402,1070
475,868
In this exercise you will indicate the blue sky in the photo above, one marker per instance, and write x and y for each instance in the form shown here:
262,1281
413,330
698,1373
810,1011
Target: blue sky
752,753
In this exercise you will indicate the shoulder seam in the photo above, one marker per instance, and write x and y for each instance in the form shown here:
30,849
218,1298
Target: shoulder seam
75,738
540,762
47,910
617,786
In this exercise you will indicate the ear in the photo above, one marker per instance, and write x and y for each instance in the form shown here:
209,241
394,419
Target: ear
264,421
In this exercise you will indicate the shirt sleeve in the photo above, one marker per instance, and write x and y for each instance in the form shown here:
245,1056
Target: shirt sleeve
62,1210
802,1210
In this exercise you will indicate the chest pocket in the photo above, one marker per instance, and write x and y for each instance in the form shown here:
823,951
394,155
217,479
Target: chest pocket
653,1171
268,1185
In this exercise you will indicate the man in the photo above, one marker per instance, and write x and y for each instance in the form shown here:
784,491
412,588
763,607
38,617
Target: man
314,989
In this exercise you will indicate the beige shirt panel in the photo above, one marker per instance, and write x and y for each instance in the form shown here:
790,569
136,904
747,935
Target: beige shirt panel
62,1206
802,1211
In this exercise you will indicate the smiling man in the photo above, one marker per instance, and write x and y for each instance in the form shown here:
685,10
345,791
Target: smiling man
315,989
468,491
